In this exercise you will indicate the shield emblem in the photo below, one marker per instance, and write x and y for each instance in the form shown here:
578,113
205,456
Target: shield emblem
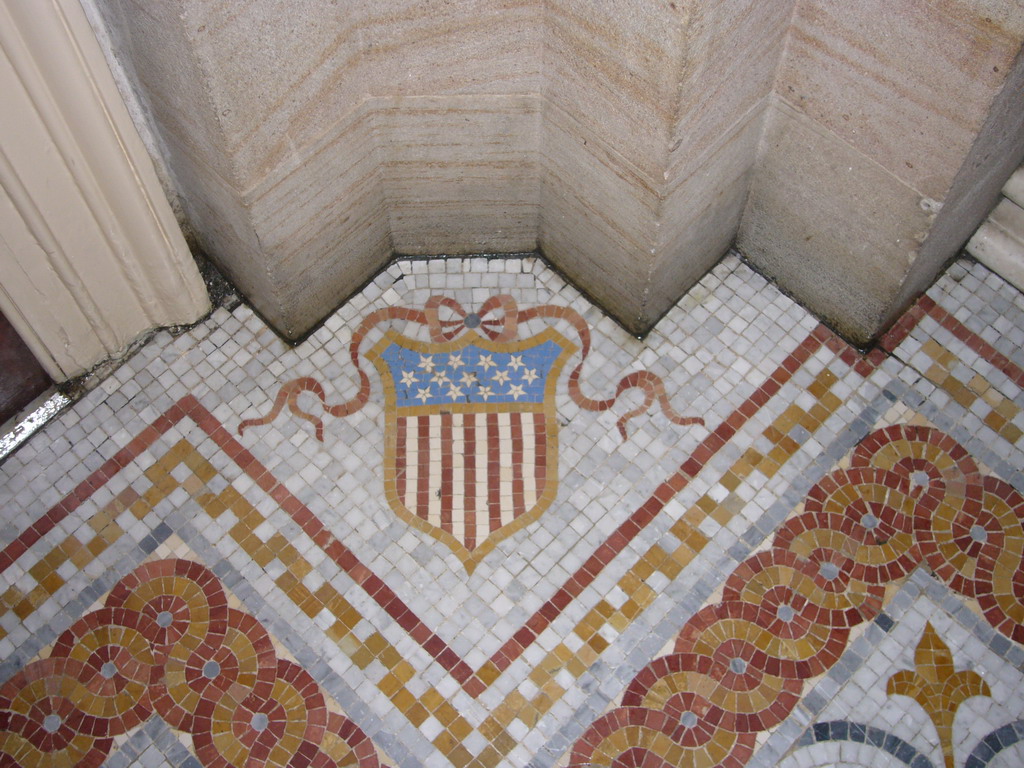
471,437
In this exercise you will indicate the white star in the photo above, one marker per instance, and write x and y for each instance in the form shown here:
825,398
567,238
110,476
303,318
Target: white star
440,376
486,361
408,378
424,394
516,362
455,361
530,375
427,363
486,393
454,392
516,390
501,377
468,378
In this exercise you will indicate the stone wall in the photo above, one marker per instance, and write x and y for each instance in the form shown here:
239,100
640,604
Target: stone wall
893,126
851,148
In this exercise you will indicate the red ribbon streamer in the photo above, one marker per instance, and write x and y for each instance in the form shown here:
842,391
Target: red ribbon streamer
499,320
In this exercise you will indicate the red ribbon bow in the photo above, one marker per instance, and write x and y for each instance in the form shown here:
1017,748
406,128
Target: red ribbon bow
497,319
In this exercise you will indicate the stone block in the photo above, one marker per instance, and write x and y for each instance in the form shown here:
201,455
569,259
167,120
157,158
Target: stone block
701,214
905,122
460,173
732,52
903,83
322,229
279,75
997,151
299,244
287,72
597,217
616,68
829,224
170,78
484,47
218,220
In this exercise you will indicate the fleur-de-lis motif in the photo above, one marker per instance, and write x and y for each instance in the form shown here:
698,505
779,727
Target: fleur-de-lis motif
937,687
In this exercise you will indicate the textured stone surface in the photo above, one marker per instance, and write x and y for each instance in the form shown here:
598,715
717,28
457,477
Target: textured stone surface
701,212
651,132
908,118
310,141
597,215
460,173
997,151
616,69
732,53
313,141
828,225
906,85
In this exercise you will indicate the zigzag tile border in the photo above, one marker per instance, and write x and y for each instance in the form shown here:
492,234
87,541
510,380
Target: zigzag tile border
525,687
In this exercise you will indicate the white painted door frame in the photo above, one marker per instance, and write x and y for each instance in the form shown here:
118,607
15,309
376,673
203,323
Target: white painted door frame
91,255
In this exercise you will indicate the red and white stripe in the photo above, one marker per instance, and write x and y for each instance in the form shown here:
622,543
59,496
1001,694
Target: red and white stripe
470,473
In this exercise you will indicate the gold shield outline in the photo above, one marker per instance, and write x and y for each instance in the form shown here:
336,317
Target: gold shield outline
470,558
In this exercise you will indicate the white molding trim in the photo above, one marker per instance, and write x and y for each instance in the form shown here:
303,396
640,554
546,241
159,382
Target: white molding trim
999,241
91,255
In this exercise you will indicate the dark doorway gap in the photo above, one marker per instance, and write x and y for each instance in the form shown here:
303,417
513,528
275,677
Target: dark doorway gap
22,378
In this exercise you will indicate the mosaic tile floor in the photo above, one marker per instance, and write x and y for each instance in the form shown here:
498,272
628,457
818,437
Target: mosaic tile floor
471,522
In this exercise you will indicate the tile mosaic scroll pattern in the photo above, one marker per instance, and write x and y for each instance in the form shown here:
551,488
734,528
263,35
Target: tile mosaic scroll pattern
166,642
910,495
684,539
